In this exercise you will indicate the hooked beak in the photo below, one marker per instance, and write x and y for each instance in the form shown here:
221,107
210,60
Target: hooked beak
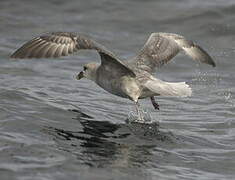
80,75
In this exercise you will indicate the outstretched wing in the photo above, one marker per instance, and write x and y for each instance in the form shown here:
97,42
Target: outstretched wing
162,47
58,44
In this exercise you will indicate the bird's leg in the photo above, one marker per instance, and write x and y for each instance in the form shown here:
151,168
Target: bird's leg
139,113
154,103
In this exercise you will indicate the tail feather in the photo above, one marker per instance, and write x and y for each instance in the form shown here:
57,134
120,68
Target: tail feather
169,89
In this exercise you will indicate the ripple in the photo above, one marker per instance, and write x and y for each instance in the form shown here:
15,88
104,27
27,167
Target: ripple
54,127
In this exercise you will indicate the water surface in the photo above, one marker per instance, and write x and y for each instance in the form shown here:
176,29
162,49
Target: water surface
55,127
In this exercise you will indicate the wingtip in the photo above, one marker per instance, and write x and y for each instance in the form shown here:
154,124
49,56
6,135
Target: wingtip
214,65
206,58
17,55
211,62
14,56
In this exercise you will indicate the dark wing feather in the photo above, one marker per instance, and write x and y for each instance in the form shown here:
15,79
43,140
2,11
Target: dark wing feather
162,47
62,44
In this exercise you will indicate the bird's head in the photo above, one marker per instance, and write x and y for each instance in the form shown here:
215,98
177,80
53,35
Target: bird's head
89,71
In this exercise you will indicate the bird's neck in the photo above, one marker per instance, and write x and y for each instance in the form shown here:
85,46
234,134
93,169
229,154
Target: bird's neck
93,74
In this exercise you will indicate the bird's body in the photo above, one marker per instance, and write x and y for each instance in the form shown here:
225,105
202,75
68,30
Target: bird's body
142,86
117,85
133,79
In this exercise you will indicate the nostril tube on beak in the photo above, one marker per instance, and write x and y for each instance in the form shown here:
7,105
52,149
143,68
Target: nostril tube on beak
80,75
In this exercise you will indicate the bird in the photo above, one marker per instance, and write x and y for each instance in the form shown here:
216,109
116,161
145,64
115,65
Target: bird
133,78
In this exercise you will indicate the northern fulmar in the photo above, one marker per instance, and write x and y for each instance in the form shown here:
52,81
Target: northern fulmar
134,78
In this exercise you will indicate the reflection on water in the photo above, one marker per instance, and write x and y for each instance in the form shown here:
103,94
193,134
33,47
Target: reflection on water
102,143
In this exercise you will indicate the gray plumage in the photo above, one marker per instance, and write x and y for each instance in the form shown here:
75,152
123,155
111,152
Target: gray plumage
132,78
160,48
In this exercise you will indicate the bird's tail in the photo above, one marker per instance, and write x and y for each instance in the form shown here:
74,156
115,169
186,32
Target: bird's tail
169,89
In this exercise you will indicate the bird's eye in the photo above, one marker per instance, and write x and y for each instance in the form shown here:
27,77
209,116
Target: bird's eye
84,68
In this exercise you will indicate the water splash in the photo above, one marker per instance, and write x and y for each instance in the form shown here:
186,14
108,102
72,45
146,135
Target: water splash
205,82
228,96
133,116
211,79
